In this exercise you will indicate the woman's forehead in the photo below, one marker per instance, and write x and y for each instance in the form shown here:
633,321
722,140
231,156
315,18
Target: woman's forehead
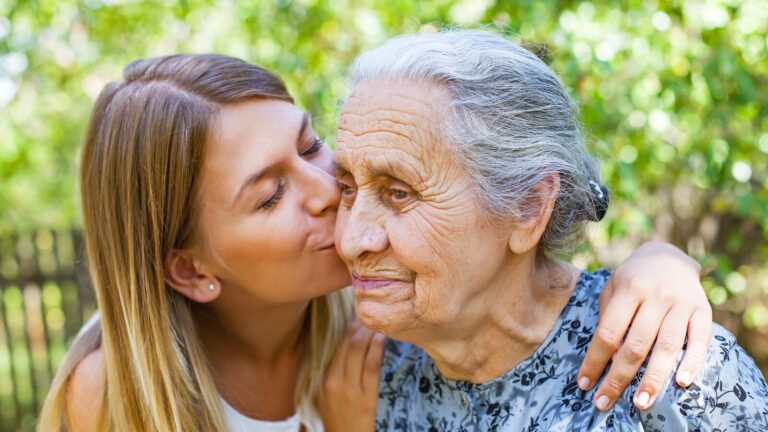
382,119
403,96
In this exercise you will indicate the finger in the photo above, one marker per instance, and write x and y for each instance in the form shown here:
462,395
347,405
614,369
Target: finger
338,363
630,355
373,361
668,345
606,294
699,334
358,348
611,328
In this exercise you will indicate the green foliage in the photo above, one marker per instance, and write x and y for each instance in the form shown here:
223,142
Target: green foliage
673,97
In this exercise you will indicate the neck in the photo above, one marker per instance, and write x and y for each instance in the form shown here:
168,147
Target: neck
246,328
256,351
505,322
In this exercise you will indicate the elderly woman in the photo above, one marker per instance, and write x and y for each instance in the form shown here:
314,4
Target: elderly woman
463,176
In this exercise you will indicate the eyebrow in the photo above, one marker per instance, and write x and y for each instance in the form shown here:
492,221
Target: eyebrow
255,177
339,169
396,170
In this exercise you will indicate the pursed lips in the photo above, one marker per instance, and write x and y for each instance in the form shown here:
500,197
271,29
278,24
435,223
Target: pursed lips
327,247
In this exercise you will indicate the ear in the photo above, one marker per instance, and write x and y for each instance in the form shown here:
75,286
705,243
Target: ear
185,274
536,210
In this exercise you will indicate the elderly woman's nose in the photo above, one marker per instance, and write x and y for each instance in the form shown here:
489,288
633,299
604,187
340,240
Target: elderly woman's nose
322,191
362,233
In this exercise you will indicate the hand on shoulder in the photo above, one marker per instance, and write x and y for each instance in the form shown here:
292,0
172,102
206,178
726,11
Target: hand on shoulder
351,385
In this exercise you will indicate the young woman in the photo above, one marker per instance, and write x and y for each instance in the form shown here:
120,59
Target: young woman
209,205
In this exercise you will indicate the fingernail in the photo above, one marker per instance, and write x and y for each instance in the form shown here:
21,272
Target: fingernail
642,399
602,402
684,378
584,383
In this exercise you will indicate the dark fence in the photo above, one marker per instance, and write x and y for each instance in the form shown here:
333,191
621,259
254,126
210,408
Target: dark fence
45,296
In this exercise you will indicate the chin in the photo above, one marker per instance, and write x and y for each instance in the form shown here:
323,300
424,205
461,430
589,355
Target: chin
385,319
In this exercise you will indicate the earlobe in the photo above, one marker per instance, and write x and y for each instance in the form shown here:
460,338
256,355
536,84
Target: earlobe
534,218
183,274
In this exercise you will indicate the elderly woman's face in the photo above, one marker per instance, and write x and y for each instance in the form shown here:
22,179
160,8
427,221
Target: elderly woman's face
410,227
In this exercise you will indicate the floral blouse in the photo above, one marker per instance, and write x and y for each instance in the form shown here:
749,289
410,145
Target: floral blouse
541,394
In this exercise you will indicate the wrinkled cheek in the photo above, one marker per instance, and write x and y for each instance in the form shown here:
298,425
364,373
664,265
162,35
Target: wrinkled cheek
434,301
413,246
416,249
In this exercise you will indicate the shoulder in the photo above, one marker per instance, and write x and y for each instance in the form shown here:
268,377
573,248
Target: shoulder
583,305
400,357
591,284
400,370
730,393
84,392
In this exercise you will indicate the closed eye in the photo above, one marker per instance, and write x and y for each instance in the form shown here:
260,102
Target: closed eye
269,203
317,144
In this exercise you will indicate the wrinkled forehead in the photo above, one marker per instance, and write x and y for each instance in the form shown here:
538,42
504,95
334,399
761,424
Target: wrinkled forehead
398,118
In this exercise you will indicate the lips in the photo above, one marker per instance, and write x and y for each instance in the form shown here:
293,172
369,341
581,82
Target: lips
366,283
327,247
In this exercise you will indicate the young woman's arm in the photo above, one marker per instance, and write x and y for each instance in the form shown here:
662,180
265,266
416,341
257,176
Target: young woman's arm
654,299
352,382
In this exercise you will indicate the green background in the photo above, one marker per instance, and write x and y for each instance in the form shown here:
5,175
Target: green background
673,96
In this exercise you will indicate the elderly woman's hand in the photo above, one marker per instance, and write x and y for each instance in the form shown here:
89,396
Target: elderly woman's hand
351,385
656,290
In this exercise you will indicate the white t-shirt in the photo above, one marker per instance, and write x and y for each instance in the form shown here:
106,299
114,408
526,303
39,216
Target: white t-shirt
305,416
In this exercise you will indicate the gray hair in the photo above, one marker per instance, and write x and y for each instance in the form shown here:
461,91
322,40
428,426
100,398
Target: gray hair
511,123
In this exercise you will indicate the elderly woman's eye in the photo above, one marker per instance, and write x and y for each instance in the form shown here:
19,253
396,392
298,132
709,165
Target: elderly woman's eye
400,197
346,189
400,194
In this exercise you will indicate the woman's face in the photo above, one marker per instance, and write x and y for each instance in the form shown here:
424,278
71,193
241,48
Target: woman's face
410,227
268,204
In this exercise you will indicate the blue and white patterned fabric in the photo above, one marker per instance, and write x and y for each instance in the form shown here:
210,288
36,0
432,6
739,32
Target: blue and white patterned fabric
540,393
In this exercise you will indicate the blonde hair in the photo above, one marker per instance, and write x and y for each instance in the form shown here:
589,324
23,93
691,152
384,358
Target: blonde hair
140,163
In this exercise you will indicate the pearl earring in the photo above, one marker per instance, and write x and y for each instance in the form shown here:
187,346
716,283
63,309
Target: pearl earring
211,287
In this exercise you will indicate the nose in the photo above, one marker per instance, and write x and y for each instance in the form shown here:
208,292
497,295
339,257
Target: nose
322,191
360,229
